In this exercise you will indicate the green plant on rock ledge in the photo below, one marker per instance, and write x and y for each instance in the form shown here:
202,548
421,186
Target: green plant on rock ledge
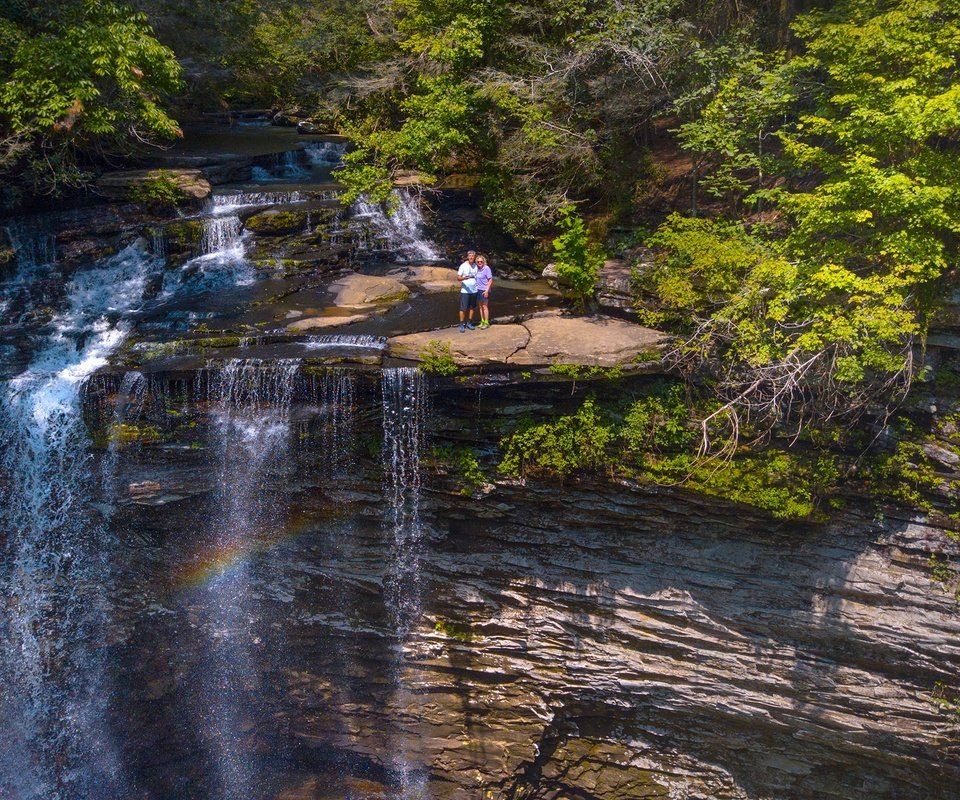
578,258
566,445
464,465
436,359
159,190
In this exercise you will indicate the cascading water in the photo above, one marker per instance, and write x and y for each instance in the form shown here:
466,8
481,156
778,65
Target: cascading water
221,234
335,391
33,241
54,571
404,417
342,341
35,250
250,439
129,403
326,154
399,233
221,204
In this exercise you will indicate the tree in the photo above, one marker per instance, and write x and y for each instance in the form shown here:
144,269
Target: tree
578,259
821,319
82,80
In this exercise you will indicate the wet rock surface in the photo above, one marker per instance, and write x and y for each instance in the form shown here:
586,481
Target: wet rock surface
595,639
190,183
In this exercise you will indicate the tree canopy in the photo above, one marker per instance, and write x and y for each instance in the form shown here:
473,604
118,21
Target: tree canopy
81,78
852,142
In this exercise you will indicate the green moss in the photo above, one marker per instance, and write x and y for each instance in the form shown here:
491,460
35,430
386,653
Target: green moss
215,342
159,190
904,475
946,699
125,434
436,359
185,233
453,630
276,223
580,372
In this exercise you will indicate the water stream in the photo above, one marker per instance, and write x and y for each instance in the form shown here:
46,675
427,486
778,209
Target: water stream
55,567
397,231
404,418
249,440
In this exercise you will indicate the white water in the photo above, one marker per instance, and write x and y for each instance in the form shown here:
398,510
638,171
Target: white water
33,241
221,204
222,262
250,437
344,341
54,570
35,249
335,392
399,233
326,154
221,234
404,417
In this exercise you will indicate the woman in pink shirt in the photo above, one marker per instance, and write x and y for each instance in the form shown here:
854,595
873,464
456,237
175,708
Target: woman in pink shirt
484,285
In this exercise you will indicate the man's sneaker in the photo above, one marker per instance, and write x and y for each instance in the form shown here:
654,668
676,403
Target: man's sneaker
471,326
462,327
485,324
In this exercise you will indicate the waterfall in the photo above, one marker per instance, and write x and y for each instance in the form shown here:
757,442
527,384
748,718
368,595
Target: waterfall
339,342
221,234
404,417
158,242
288,165
128,406
335,391
55,741
221,204
250,440
399,233
326,154
34,243
34,247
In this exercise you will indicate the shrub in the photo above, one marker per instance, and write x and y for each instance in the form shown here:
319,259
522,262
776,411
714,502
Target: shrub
578,259
566,445
157,191
436,359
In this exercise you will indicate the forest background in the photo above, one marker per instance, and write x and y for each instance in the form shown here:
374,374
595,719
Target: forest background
790,169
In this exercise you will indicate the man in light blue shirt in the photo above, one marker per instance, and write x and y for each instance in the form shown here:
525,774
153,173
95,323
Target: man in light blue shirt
467,275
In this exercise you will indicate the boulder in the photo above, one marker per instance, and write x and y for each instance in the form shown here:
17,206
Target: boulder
312,323
427,279
276,222
362,291
542,340
129,184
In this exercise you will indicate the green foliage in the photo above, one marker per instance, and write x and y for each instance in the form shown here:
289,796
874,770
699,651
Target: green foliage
578,259
453,630
904,474
940,570
658,421
463,462
80,78
158,191
568,444
436,359
868,208
586,372
946,699
546,100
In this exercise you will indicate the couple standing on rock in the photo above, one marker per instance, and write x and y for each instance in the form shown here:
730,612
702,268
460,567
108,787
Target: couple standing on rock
476,280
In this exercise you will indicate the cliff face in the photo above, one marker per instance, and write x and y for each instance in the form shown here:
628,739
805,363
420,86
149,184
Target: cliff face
585,640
